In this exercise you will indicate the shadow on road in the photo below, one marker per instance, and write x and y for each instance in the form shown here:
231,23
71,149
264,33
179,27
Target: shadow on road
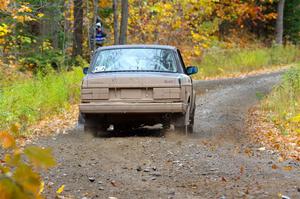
141,132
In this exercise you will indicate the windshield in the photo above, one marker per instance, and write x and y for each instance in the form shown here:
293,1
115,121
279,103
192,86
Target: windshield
137,59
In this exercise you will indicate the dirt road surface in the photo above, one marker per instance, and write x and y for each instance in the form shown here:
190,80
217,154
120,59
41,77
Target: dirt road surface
217,161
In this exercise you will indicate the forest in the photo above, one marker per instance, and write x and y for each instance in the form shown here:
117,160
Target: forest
40,34
45,44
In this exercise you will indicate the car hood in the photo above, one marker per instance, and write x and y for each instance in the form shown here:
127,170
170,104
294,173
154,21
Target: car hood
135,80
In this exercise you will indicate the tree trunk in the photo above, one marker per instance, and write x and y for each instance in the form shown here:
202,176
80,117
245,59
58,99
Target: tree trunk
279,22
87,7
54,23
67,23
78,28
124,22
116,22
96,19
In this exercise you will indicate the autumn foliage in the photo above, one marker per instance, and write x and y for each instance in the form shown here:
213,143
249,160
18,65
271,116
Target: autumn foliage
19,168
195,25
191,25
28,27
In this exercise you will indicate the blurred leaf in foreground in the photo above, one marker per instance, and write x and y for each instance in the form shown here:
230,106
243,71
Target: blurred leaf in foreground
7,140
19,179
40,157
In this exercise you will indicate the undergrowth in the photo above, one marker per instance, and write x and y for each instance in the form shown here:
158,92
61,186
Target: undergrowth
30,100
218,62
283,104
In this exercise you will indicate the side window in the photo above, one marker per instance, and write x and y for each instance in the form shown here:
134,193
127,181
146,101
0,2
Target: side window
181,61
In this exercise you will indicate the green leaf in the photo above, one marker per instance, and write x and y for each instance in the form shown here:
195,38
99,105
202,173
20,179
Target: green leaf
40,157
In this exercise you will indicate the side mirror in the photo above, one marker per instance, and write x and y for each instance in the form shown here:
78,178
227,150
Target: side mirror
85,70
191,70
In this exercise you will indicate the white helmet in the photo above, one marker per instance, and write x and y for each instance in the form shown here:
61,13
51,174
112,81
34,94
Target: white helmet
98,25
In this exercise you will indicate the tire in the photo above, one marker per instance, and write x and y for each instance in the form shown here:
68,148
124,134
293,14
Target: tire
191,125
180,123
81,119
166,124
90,126
94,127
87,122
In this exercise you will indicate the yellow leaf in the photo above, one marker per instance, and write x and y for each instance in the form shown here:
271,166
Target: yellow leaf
4,30
4,170
197,51
177,24
4,4
295,119
274,166
7,140
204,45
7,158
40,15
287,168
24,9
42,187
168,6
60,189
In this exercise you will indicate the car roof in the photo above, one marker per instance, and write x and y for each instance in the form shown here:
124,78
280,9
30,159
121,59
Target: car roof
137,46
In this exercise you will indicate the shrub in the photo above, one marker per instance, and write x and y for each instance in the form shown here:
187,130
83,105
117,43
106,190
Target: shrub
34,99
222,62
283,103
43,62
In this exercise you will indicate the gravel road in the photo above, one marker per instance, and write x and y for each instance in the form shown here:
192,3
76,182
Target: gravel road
217,161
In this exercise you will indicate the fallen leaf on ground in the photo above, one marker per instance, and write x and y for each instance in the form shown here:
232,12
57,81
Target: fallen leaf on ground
242,169
224,179
60,189
266,132
287,168
113,183
274,166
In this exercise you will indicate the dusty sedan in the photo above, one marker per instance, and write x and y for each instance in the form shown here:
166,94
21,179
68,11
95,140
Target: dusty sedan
137,85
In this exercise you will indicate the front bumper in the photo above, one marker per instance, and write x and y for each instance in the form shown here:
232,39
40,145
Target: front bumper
120,107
